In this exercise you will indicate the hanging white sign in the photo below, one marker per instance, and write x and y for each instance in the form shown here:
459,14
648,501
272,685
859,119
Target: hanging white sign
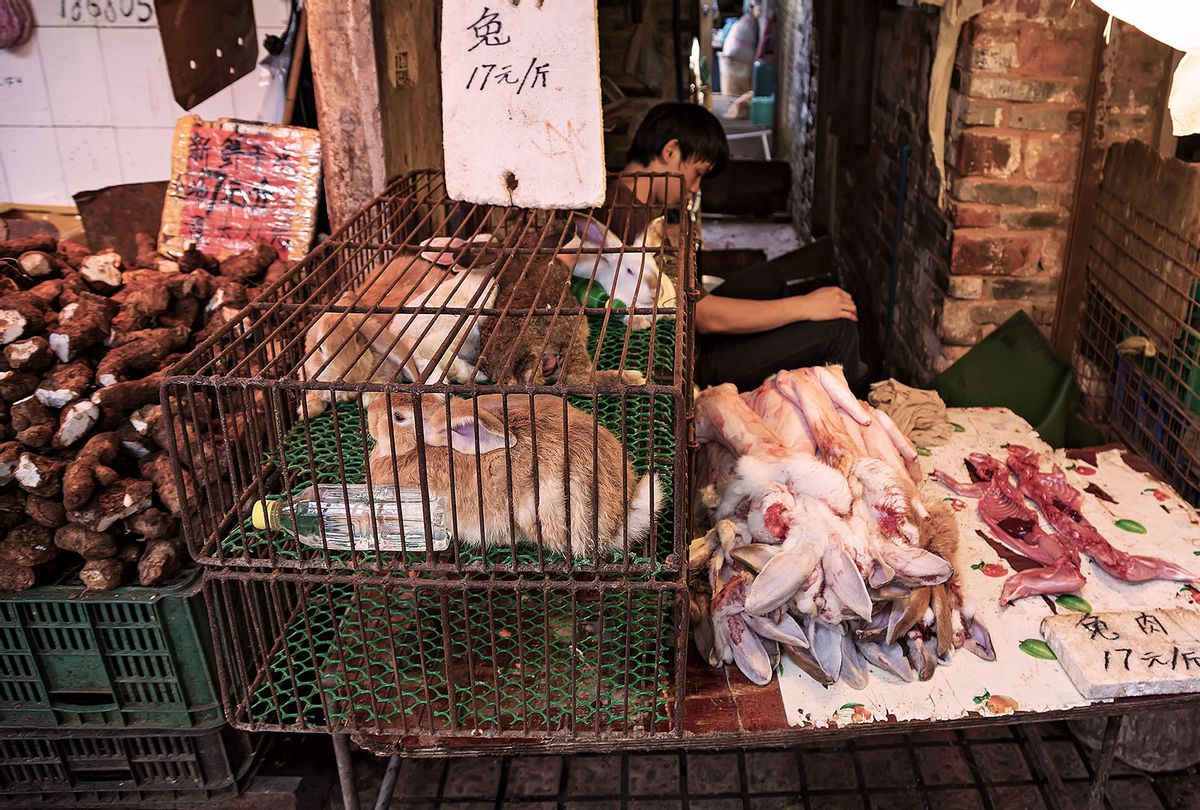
521,109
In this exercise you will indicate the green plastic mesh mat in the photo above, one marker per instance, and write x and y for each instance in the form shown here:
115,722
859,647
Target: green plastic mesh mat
645,424
379,659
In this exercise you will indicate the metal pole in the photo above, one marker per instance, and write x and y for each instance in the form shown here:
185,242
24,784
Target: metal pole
1108,750
388,786
341,751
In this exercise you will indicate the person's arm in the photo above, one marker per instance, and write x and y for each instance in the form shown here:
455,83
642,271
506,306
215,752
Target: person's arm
716,314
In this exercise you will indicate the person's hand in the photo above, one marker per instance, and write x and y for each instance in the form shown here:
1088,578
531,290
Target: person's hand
827,304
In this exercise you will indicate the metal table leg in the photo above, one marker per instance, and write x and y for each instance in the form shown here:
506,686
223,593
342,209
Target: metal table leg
1108,750
341,751
1056,791
388,786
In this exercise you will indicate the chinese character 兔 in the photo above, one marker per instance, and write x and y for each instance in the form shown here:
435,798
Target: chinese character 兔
487,30
1097,627
1149,625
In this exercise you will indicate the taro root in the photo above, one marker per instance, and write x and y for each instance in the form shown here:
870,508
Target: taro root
161,559
278,269
141,355
101,575
64,384
249,263
134,443
21,314
33,422
144,297
128,553
48,292
73,253
15,577
40,264
86,543
89,469
31,354
10,456
102,271
125,497
193,259
130,394
12,248
75,421
28,544
48,512
152,524
39,475
159,470
82,325
16,385
12,509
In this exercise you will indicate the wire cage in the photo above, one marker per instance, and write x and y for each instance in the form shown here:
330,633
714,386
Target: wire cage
437,474
428,662
1137,352
550,408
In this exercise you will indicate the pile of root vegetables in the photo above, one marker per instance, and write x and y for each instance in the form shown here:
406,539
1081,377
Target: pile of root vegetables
85,342
1004,505
821,548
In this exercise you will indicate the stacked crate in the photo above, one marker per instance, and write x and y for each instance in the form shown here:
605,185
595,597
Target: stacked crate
108,698
482,649
1138,347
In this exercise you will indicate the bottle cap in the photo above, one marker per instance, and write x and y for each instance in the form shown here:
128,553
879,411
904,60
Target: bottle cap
265,514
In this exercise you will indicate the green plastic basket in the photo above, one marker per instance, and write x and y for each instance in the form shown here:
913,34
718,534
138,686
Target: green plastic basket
123,769
129,658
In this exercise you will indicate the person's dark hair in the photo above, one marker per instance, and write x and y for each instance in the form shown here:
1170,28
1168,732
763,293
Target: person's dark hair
700,135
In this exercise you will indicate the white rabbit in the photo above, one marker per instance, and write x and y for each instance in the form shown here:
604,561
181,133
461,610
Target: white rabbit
631,277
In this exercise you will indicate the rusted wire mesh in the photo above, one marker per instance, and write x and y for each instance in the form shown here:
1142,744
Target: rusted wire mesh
281,399
1137,352
433,658
468,467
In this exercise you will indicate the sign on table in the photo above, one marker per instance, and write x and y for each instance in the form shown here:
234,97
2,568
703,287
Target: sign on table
521,110
1126,653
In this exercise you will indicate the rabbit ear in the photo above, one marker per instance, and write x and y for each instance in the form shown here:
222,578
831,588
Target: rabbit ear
463,430
653,235
596,235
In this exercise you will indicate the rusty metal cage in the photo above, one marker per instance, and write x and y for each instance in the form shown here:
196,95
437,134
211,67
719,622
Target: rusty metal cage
1137,352
437,474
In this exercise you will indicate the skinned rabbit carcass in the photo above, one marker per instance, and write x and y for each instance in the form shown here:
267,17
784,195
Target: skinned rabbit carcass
820,541
566,479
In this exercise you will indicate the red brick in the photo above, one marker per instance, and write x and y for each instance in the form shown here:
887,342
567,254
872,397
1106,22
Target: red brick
989,154
1054,159
1046,117
1006,88
994,252
1041,9
1044,50
1002,192
976,216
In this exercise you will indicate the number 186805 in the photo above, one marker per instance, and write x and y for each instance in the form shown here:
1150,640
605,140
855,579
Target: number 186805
111,11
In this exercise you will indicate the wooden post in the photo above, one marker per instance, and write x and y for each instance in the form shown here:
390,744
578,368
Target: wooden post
346,81
406,42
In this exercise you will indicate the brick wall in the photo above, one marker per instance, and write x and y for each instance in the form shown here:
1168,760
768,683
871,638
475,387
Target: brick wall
1023,75
996,242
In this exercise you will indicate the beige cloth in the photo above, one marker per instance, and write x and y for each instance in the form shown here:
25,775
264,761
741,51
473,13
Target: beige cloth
920,414
954,14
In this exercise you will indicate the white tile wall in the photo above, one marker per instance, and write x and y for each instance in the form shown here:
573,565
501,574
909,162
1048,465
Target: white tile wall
87,104
32,166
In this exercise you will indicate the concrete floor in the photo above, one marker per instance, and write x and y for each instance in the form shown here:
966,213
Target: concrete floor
988,768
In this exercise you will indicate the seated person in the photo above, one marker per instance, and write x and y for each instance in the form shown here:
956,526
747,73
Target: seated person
749,327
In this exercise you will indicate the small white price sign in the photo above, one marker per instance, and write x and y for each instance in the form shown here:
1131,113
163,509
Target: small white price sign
521,109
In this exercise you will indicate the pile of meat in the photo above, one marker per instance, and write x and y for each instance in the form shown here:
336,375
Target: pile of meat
821,547
85,342
1003,506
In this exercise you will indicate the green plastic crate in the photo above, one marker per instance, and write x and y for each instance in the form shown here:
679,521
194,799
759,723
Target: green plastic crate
123,769
129,658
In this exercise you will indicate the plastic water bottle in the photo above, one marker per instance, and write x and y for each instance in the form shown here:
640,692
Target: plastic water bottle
356,512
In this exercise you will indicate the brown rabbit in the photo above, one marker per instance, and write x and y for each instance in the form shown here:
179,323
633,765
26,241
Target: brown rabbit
540,349
625,503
